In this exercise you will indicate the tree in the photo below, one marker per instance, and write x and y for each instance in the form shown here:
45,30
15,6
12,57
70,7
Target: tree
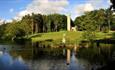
113,22
79,23
99,18
2,28
58,22
27,23
45,23
38,21
13,30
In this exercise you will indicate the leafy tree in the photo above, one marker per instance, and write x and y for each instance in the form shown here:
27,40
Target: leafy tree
13,30
58,22
38,21
2,28
27,24
113,23
100,18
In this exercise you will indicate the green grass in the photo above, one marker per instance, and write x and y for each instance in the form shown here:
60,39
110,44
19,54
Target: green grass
71,37
101,35
56,37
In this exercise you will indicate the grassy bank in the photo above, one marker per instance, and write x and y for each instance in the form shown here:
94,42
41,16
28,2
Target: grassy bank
71,37
56,37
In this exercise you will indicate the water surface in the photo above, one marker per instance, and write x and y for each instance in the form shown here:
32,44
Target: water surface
23,57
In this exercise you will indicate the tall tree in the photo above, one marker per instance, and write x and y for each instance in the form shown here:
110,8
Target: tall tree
38,21
27,21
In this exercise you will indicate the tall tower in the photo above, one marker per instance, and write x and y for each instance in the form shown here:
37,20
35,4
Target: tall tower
68,22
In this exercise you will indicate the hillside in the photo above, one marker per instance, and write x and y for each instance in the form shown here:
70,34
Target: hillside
71,37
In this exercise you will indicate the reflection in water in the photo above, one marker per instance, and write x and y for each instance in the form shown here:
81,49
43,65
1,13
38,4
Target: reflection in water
78,64
40,58
45,63
8,63
48,64
68,56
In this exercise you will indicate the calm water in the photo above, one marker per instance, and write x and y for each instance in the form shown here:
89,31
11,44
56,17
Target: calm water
23,57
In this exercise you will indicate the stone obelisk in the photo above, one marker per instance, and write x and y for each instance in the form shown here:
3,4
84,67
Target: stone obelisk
68,22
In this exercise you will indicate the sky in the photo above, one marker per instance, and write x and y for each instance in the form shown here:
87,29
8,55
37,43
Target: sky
16,9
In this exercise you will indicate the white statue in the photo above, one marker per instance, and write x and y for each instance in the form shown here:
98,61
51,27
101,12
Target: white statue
63,39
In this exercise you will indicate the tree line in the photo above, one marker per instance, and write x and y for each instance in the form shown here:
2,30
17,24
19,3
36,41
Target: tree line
34,23
97,20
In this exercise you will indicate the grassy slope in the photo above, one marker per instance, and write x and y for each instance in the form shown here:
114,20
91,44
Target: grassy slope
71,37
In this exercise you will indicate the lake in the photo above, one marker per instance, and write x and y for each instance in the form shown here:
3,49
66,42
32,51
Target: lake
28,57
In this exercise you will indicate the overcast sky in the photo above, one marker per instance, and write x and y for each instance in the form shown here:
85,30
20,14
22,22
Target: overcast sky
15,9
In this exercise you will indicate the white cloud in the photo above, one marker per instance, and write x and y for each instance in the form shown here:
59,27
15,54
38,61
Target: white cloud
44,7
5,21
11,10
21,14
80,9
90,5
1,21
108,1
62,6
8,20
47,6
95,2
